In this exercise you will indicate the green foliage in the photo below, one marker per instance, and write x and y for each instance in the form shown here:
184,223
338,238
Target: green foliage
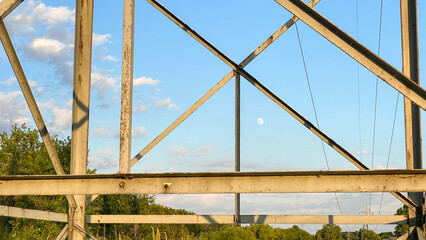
22,153
329,232
401,229
293,233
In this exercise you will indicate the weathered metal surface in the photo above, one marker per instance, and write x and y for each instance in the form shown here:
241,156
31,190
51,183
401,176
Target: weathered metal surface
413,142
32,214
246,219
7,6
80,106
232,182
357,51
127,85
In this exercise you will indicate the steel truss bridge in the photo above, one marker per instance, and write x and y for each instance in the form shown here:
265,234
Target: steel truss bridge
77,185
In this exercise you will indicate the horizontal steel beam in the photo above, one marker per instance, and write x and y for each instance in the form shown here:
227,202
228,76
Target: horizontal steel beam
7,6
232,182
246,219
357,51
7,211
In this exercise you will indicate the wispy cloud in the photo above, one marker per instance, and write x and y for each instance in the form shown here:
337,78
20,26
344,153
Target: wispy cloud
13,110
196,152
110,58
33,13
103,159
145,81
8,82
166,103
99,39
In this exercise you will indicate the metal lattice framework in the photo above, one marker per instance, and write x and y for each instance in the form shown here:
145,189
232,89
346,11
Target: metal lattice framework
76,185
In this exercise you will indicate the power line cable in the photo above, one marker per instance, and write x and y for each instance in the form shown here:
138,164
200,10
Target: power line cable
377,87
315,112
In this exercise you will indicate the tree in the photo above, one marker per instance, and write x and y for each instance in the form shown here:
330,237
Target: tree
22,153
329,232
401,229
293,233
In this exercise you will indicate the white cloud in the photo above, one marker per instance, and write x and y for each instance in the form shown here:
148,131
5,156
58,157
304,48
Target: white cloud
9,81
13,110
33,13
105,132
103,159
166,103
110,58
179,151
145,81
99,39
53,52
102,81
61,120
140,108
44,48
139,132
197,152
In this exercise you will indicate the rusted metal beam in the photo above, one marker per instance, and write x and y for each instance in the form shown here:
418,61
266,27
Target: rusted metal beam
80,106
357,51
413,141
247,219
127,85
270,94
229,182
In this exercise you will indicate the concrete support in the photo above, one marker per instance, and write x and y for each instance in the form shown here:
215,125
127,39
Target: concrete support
413,139
80,107
246,219
227,182
357,51
127,85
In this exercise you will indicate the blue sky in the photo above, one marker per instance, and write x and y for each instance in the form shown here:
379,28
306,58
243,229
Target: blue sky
172,71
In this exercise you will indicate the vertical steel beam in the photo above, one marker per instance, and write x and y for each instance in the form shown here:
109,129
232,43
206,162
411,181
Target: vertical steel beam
80,107
413,140
127,85
237,143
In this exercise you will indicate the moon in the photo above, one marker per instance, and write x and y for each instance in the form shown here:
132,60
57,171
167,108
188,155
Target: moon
260,121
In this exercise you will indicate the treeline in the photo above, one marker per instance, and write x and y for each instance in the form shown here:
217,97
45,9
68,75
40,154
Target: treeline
22,153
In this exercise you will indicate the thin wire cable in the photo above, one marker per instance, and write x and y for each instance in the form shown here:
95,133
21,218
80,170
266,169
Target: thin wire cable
377,87
315,112
390,145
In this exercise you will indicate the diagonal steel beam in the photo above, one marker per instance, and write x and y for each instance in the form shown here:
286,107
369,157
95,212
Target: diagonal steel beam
270,94
31,102
218,86
357,51
7,6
